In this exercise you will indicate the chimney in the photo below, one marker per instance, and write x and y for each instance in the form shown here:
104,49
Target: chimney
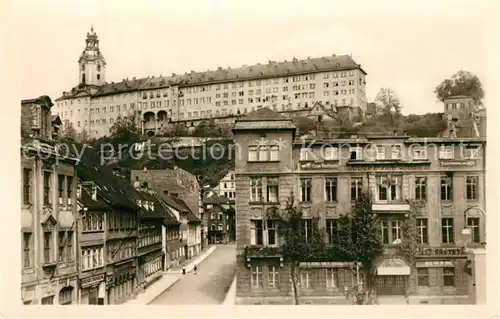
94,192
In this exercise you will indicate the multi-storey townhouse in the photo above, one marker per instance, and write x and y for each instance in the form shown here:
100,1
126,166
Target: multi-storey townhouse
226,186
223,94
220,214
172,244
444,177
48,210
149,239
108,217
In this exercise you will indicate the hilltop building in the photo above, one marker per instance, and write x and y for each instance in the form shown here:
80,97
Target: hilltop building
223,94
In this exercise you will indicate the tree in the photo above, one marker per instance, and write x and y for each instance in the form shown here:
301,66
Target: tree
68,131
304,125
461,83
83,136
296,247
387,104
124,131
365,245
409,244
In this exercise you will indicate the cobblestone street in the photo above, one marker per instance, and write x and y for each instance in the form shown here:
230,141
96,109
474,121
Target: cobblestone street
209,285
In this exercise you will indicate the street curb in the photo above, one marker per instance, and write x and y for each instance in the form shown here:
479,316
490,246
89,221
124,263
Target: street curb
166,289
228,301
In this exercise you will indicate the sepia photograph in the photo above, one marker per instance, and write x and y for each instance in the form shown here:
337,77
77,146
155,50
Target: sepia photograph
239,154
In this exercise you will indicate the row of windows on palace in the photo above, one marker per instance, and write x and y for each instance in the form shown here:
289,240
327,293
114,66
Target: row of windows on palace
268,276
265,153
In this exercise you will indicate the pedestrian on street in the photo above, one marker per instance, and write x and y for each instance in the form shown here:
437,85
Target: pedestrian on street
195,269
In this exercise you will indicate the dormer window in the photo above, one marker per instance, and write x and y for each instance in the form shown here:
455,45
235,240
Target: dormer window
139,203
94,192
420,153
396,152
331,153
380,152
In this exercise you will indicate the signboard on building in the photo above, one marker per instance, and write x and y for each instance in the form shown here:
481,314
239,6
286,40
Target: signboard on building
451,251
466,163
434,264
319,165
90,281
393,267
326,264
367,166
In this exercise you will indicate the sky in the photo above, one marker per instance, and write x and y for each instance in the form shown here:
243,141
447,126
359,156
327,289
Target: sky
408,46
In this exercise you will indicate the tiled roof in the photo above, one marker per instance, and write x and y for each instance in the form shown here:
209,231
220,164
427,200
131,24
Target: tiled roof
263,118
159,210
257,71
114,190
86,201
178,204
43,99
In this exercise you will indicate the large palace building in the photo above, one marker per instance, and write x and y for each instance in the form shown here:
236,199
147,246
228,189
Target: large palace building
336,81
445,176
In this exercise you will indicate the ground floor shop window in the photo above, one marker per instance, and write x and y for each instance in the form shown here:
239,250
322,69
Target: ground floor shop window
449,277
423,277
48,300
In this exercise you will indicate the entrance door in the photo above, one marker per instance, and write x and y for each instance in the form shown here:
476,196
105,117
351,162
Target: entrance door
390,285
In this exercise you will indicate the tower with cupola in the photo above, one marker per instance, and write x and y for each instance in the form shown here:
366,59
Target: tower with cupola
92,66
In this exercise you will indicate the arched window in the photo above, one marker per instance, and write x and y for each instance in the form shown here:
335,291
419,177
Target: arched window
66,296
98,76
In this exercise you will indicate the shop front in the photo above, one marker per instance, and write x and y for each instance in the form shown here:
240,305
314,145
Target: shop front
150,268
392,277
121,283
92,290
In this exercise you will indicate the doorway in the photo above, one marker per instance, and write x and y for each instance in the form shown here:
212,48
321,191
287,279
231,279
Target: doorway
390,285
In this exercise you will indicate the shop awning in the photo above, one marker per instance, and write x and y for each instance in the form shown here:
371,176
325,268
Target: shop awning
393,267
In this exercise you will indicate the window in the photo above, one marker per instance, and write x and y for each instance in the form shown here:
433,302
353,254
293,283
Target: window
93,257
448,277
304,279
446,188
380,152
331,277
356,185
331,228
331,154
356,153
421,188
256,277
61,246
307,228
473,225
422,231
273,189
306,154
392,231
47,247
256,189
257,232
471,152
65,296
27,250
447,230
423,277
46,188
48,300
419,153
263,153
60,188
446,152
471,185
396,152
272,276
69,246
26,186
331,189
389,187
305,189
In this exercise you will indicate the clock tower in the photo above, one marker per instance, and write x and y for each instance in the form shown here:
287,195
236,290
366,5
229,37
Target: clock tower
92,66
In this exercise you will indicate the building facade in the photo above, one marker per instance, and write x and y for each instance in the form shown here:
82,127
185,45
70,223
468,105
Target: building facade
226,186
149,239
223,94
49,272
445,177
220,219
